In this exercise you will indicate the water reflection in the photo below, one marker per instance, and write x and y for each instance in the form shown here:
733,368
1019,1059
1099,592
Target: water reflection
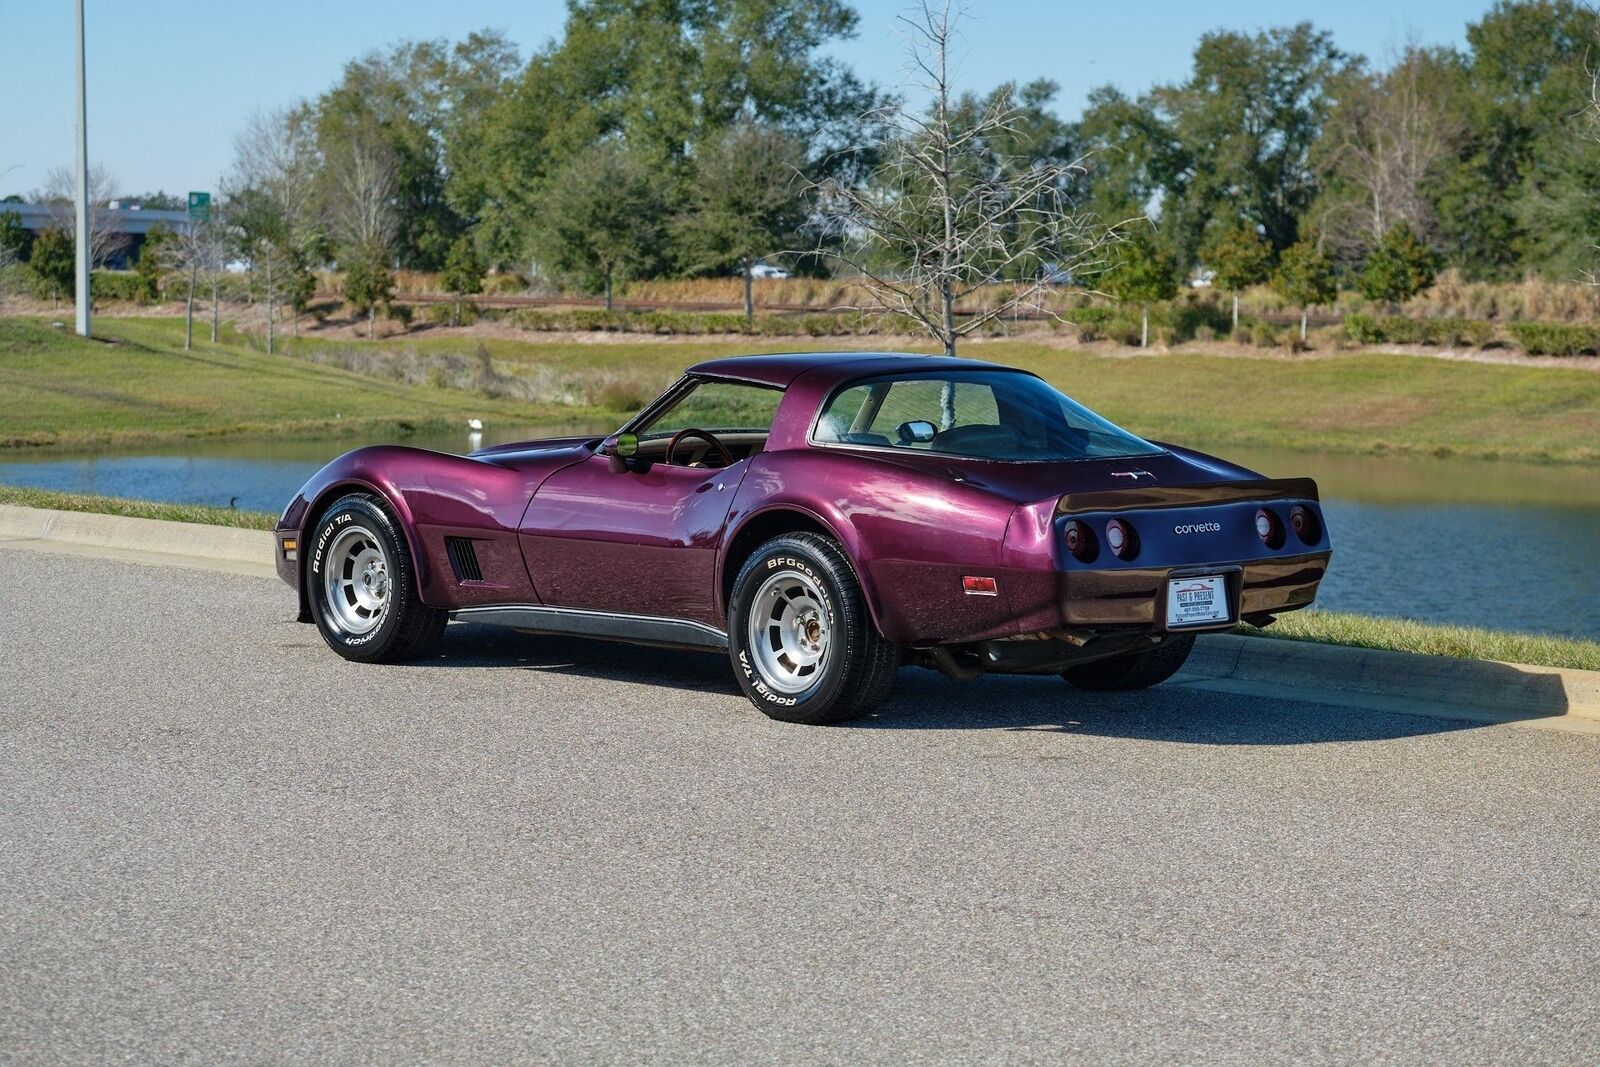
1503,545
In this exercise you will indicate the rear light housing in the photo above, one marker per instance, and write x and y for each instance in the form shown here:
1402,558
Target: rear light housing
1081,541
1303,521
1122,539
1269,528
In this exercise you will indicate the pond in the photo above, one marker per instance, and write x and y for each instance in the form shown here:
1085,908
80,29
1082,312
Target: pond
1503,545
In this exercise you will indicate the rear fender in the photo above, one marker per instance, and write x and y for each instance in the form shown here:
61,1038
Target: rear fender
910,535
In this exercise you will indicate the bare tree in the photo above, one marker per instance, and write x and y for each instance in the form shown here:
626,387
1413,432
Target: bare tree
197,253
61,192
363,212
1591,132
1386,135
273,201
364,220
949,211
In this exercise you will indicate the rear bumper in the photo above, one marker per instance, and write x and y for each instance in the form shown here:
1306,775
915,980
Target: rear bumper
1136,596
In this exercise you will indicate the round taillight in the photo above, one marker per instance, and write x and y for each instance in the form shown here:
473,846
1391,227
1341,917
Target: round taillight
1269,528
1303,521
1121,539
1081,541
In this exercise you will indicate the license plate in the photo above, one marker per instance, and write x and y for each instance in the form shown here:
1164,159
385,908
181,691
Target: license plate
1197,601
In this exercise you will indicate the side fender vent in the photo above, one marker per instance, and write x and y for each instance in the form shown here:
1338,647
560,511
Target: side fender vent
463,559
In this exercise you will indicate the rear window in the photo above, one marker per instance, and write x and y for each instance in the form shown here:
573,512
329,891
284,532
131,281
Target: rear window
1001,415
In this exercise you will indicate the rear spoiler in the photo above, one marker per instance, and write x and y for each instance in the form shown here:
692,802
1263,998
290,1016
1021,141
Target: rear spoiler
1184,496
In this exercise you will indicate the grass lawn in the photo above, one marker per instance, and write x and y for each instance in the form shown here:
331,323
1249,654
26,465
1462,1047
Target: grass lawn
138,509
66,392
135,383
1459,642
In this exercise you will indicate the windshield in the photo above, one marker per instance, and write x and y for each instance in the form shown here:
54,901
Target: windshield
1004,415
720,407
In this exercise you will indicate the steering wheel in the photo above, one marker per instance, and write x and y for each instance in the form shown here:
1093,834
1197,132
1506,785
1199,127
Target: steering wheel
704,435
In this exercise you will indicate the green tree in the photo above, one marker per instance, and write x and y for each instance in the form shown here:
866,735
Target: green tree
463,273
600,218
1142,272
152,262
1236,136
665,76
748,201
367,284
1305,278
1512,199
1399,268
1238,257
15,238
53,259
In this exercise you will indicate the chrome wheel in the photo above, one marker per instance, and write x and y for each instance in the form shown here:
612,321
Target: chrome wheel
789,631
355,580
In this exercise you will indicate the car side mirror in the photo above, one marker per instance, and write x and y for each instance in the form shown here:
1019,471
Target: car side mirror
916,432
619,448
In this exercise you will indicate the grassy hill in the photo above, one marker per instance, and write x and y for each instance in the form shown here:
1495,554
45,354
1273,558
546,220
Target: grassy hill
137,383
134,382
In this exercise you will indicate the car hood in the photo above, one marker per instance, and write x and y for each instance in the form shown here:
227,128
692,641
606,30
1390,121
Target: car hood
526,454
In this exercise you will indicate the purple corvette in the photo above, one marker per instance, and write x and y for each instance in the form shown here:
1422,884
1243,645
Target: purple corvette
822,518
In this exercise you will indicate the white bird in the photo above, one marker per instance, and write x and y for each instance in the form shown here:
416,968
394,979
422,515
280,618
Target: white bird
474,424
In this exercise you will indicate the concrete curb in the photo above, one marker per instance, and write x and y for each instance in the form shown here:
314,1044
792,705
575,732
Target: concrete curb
183,544
1404,682
1439,686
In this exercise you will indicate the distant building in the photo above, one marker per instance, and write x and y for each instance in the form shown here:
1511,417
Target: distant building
128,220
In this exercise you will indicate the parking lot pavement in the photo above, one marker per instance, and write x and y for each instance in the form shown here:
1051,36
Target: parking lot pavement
218,841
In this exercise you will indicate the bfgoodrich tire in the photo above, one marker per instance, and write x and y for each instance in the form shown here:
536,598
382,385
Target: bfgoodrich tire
800,637
1133,670
362,585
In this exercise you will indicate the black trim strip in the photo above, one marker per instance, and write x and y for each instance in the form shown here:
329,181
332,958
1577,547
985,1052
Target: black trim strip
613,626
1177,496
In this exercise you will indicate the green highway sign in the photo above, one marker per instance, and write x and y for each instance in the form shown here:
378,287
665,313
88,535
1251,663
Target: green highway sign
200,207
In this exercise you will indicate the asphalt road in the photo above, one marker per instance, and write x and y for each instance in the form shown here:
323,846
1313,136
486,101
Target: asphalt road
220,843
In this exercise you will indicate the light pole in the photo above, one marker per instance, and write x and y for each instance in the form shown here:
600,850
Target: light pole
83,190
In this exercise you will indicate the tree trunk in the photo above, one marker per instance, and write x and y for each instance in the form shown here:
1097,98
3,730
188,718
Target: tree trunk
608,292
456,321
749,298
1236,311
188,319
1304,313
271,303
215,293
1144,325
948,296
372,321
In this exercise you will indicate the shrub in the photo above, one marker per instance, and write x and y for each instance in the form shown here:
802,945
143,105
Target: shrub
1404,330
120,285
1555,338
1457,333
1265,334
1363,328
402,313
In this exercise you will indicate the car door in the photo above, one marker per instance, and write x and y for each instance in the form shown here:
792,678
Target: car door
643,540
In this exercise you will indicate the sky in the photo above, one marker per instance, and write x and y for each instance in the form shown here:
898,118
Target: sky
170,83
